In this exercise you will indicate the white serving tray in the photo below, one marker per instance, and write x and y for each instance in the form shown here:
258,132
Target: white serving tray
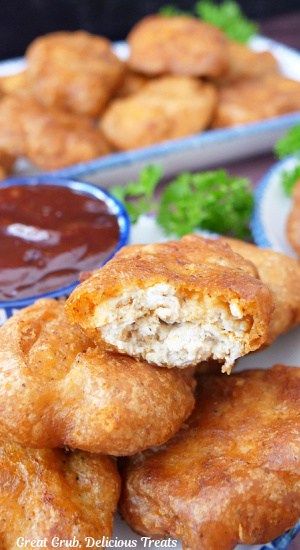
210,148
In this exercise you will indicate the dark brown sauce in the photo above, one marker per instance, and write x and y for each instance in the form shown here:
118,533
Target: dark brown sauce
48,235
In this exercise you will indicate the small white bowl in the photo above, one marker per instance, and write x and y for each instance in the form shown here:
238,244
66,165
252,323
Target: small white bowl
272,207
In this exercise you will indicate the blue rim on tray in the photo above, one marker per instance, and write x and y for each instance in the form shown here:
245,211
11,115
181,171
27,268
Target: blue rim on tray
283,542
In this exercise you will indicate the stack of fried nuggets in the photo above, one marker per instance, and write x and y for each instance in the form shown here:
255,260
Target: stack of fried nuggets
113,372
77,100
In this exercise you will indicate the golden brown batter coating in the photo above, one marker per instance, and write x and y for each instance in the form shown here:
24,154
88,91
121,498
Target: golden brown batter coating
51,493
57,389
6,164
232,474
12,83
180,45
132,83
12,138
255,99
166,108
293,222
282,276
176,303
49,137
246,63
76,71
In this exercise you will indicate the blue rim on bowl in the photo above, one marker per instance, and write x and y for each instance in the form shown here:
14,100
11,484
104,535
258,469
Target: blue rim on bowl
84,188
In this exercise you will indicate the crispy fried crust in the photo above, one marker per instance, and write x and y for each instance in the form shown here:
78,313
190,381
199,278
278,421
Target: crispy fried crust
58,389
50,137
73,70
293,222
132,83
255,99
165,108
282,275
12,137
6,164
246,63
47,494
12,83
180,45
232,475
193,266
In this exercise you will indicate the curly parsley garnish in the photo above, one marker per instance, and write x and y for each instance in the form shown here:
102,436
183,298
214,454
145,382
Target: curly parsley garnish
211,200
289,144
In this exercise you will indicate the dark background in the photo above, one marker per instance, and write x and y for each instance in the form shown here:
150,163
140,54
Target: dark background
23,20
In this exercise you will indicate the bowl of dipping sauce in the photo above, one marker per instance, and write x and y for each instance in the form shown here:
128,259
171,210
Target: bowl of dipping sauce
51,230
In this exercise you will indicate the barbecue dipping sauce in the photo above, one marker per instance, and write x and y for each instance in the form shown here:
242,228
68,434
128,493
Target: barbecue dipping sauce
48,235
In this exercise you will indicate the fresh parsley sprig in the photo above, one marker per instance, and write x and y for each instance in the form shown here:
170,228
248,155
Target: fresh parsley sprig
289,179
289,144
169,10
137,196
227,16
211,200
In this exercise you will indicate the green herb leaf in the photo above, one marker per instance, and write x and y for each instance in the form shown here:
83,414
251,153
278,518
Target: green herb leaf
289,179
169,11
228,17
211,200
289,144
137,195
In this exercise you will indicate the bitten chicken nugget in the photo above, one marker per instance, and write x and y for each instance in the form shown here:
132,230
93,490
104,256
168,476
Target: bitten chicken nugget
282,276
176,303
6,164
49,137
165,108
255,99
293,223
180,45
73,70
232,474
58,389
55,495
246,63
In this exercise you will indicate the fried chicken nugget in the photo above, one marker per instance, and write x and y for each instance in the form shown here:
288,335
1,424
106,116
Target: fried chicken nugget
180,45
58,389
255,99
6,164
246,63
176,304
293,222
12,83
165,108
12,138
282,276
50,138
76,71
232,474
51,493
132,83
